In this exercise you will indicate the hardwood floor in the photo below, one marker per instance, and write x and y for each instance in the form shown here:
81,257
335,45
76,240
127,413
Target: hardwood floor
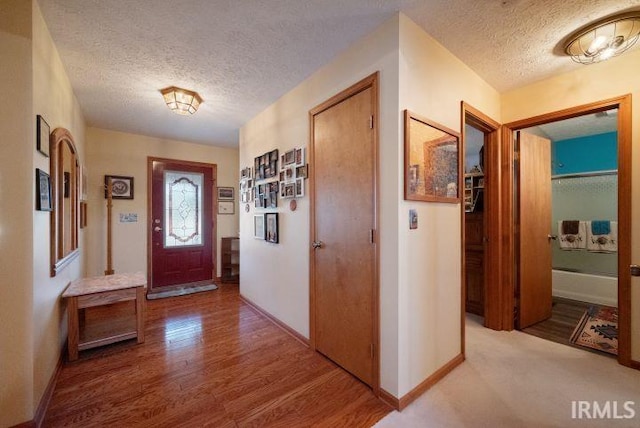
209,360
565,315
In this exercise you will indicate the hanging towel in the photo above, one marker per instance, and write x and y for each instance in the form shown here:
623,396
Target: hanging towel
601,227
570,227
572,241
604,242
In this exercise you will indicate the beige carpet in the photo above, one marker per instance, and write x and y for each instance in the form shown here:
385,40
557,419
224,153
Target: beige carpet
512,379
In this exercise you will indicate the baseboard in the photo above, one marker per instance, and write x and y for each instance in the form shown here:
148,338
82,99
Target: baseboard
634,364
400,404
389,399
41,411
276,321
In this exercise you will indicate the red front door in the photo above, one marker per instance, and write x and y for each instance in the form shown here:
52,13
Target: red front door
181,223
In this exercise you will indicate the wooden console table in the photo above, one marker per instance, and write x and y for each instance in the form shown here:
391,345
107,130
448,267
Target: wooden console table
98,291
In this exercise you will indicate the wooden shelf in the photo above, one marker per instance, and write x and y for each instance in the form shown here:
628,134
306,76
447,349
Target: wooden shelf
230,260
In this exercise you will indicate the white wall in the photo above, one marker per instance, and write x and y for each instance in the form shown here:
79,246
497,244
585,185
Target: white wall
433,82
276,276
587,84
119,153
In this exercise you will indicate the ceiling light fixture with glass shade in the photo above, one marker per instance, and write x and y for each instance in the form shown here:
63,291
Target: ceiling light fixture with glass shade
181,101
604,39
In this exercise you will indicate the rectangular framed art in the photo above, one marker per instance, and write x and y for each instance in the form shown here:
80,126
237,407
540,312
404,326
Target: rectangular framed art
43,132
271,220
226,207
225,193
43,191
121,187
431,161
258,226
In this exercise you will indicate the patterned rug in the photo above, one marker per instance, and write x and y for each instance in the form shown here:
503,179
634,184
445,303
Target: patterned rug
598,329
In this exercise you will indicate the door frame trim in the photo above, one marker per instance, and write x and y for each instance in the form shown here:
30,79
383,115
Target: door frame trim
623,103
492,223
214,211
371,81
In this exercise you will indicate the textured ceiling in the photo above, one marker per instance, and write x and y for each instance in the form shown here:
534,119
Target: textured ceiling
242,55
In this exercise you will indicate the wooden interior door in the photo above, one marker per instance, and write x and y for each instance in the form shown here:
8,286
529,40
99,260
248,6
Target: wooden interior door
343,227
535,222
181,223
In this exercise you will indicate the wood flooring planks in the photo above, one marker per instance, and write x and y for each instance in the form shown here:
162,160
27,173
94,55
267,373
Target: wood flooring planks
209,360
565,315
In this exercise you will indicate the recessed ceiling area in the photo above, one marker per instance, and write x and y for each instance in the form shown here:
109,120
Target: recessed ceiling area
241,56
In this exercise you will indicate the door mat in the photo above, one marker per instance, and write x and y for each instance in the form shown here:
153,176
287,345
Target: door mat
181,291
598,329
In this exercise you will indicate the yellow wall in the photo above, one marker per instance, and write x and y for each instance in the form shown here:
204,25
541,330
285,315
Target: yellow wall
16,213
276,277
432,84
119,153
616,77
31,314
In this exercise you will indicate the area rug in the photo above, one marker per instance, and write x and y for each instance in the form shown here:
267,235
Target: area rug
181,291
598,329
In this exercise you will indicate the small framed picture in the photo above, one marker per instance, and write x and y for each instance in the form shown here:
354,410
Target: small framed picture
121,187
272,227
301,171
299,156
258,226
43,191
289,157
289,190
225,193
289,174
226,207
43,132
299,187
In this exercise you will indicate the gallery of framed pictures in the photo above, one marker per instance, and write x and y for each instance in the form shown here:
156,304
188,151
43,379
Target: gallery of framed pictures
431,154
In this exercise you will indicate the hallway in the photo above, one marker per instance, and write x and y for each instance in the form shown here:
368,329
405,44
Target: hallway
209,360
513,379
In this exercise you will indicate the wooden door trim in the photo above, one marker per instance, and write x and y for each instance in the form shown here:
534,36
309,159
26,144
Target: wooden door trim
491,128
369,82
214,211
623,103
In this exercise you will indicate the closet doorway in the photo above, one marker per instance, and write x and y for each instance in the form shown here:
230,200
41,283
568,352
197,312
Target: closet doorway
480,219
574,176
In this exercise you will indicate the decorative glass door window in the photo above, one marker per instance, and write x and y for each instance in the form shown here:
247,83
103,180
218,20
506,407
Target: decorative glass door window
183,209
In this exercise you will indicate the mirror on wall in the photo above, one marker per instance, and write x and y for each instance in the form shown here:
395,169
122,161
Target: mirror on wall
65,173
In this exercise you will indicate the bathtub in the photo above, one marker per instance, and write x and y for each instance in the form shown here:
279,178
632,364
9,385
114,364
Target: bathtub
585,287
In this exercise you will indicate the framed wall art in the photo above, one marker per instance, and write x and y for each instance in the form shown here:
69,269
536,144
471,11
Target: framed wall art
225,193
271,220
121,186
431,161
226,207
43,191
258,226
43,133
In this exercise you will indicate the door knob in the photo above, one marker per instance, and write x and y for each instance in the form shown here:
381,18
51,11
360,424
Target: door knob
552,237
317,244
157,229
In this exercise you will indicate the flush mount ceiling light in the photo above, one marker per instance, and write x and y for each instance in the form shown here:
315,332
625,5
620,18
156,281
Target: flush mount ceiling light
181,101
604,39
